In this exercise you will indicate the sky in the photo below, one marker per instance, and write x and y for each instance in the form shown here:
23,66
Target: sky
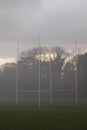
58,22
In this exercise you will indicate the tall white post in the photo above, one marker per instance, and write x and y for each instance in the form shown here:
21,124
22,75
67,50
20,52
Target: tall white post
76,74
51,97
17,76
39,75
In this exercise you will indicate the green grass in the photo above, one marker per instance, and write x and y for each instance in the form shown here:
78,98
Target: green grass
57,117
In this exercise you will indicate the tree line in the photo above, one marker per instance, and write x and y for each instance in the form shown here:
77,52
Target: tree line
62,69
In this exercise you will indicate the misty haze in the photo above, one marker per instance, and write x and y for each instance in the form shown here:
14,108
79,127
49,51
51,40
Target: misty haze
43,64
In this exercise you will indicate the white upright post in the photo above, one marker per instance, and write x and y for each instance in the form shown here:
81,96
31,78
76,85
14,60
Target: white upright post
51,97
39,75
76,74
17,76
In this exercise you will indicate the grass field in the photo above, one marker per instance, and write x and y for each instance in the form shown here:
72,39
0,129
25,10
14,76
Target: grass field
57,117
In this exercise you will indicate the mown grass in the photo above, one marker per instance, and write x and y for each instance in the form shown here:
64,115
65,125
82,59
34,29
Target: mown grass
30,117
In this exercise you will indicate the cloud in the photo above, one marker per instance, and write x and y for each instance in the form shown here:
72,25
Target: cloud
56,21
7,60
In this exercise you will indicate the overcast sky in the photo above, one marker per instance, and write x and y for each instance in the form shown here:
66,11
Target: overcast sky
58,22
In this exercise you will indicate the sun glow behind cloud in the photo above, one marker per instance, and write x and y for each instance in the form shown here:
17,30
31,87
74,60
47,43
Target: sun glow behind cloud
46,57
